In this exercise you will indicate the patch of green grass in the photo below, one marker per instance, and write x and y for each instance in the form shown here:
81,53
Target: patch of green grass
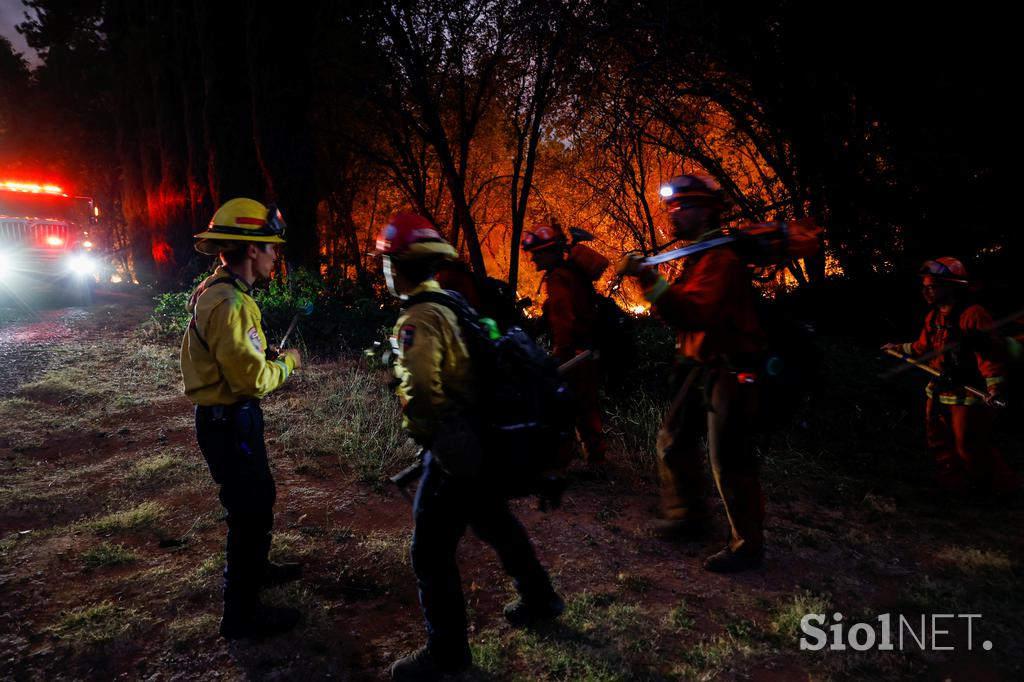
124,402
679,617
286,545
98,623
632,582
389,551
107,554
185,633
597,638
166,466
714,655
211,565
145,515
785,621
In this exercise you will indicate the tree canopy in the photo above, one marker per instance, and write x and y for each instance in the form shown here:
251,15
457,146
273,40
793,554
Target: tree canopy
488,116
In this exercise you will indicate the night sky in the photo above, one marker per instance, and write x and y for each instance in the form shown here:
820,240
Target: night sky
12,12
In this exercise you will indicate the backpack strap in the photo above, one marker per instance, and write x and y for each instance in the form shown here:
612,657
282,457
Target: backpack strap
232,279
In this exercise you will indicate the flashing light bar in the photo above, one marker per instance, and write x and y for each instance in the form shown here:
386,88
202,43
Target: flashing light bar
32,188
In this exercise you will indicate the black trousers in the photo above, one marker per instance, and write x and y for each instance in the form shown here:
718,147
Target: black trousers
231,438
444,506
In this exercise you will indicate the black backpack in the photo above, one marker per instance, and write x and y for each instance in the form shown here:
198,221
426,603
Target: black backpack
788,368
522,411
615,339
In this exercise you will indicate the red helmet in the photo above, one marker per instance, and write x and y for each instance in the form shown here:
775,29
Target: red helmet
408,236
946,268
698,190
543,236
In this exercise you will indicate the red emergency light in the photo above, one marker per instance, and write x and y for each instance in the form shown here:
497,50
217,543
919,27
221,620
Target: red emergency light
32,188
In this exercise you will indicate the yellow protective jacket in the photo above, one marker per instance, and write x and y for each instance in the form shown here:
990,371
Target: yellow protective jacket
433,366
223,353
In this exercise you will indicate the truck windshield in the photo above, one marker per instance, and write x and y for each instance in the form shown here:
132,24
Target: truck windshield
45,206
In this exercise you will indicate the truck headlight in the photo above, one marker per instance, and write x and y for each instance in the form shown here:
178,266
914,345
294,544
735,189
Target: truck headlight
82,265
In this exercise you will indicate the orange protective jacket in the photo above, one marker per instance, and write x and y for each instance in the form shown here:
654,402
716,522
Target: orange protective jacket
570,311
974,369
711,305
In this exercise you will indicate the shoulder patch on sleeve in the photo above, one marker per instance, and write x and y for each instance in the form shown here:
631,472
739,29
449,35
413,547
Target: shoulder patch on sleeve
254,339
406,335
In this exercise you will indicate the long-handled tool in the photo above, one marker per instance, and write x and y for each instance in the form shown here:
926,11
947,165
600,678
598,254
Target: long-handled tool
576,361
998,324
306,309
936,373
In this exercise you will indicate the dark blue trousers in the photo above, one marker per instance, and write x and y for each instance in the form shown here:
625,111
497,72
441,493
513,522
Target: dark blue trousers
231,438
444,506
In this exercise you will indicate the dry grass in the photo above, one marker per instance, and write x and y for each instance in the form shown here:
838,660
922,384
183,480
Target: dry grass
971,559
107,554
98,624
145,515
343,410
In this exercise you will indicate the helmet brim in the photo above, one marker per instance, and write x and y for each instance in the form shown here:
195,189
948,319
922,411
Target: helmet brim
422,250
220,236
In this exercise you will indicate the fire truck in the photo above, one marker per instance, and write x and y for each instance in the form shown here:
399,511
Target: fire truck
45,237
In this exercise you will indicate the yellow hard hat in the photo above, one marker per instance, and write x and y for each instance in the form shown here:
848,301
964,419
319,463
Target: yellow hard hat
245,220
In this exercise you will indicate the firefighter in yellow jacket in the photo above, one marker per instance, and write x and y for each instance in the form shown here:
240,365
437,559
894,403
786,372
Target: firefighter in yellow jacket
227,368
437,392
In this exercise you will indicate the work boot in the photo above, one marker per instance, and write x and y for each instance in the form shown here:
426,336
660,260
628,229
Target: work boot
523,613
258,621
679,529
728,561
279,574
423,666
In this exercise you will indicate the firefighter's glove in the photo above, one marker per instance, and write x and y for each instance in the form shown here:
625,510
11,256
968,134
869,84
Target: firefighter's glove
273,353
898,347
549,496
632,265
296,356
996,397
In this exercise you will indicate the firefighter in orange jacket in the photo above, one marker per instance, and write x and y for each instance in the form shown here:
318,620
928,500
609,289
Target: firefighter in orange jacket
226,370
711,305
958,425
570,313
437,389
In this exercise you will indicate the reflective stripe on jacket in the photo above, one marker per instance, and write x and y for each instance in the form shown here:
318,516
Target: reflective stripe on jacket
223,355
433,365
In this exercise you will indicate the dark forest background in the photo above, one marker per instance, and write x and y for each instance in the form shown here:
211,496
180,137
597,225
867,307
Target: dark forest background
487,115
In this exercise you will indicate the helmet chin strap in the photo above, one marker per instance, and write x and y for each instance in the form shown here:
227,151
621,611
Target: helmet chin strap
393,280
389,276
